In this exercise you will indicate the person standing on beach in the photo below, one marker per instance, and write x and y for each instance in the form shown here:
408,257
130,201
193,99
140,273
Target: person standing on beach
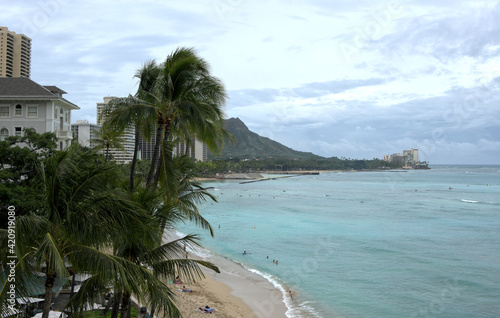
290,293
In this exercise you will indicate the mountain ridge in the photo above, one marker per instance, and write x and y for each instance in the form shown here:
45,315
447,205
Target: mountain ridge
249,145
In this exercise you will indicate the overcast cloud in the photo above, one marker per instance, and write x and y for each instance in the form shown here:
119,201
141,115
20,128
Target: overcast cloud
355,79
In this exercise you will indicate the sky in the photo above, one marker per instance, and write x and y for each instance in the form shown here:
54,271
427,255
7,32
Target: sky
343,78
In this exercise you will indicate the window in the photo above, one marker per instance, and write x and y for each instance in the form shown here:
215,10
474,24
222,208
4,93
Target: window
4,133
19,110
4,111
55,113
18,131
32,111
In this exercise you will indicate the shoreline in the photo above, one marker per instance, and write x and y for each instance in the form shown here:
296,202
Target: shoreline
234,293
237,177
213,293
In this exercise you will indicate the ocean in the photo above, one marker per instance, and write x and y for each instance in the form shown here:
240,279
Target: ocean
409,243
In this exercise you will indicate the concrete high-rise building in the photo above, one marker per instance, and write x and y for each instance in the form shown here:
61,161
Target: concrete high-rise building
127,154
147,147
85,133
198,150
15,54
409,158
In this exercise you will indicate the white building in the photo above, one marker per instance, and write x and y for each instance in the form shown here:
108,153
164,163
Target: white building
85,133
127,154
25,103
409,158
197,151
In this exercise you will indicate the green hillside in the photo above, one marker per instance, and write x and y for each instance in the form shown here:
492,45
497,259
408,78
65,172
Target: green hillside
249,145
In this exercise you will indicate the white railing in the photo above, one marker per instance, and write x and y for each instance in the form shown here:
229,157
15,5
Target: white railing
63,134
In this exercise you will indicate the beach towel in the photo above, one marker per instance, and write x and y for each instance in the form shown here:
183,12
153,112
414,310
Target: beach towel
205,311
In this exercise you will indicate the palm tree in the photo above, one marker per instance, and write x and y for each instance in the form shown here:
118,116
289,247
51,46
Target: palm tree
81,209
167,206
78,210
186,100
164,259
124,112
183,194
178,96
109,137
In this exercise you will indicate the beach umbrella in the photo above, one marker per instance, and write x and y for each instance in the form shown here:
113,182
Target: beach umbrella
52,314
28,300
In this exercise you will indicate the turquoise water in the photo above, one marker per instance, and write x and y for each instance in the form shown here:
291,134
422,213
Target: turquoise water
423,243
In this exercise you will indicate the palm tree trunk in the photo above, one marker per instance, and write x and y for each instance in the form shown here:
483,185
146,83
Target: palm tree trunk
49,284
73,279
134,160
108,305
153,309
168,127
154,160
125,312
117,297
107,153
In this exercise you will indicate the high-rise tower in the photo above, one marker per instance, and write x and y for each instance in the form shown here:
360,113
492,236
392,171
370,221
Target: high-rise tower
15,54
126,154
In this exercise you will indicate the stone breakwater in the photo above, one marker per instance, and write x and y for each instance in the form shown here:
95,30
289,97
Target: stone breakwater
242,176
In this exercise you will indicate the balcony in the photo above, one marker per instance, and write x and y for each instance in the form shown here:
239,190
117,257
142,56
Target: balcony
64,134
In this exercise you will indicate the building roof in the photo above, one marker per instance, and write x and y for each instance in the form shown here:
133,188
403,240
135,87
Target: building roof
25,88
55,89
84,123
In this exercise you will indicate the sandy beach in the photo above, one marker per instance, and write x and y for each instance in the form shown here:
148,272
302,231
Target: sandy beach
214,294
234,293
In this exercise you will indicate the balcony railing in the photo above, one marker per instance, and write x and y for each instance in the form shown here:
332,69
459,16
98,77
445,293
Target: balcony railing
63,134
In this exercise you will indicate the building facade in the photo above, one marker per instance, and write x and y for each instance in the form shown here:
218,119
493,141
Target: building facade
198,150
126,154
409,158
27,104
85,133
147,147
15,54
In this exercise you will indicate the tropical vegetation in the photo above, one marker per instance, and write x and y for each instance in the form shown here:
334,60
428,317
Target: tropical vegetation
238,165
181,100
76,211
